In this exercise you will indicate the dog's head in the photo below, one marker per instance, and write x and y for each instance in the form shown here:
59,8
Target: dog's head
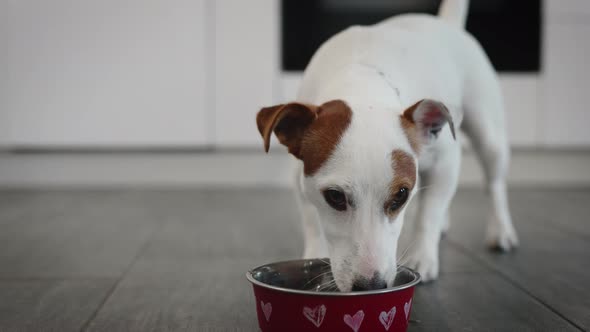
360,171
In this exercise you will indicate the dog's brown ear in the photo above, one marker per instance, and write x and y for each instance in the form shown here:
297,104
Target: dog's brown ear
429,116
288,121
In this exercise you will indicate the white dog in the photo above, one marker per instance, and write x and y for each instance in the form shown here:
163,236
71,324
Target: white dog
373,124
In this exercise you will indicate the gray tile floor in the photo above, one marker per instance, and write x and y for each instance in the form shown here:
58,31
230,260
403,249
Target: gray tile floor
175,261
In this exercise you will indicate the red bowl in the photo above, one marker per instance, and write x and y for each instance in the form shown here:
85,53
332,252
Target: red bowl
287,299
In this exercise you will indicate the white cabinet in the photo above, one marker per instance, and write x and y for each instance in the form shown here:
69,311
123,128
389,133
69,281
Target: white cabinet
246,68
566,76
520,92
103,73
566,10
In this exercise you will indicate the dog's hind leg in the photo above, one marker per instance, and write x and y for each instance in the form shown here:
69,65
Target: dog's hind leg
485,126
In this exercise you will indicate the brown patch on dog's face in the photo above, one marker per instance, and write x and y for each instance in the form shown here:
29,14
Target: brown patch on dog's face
404,172
411,129
309,132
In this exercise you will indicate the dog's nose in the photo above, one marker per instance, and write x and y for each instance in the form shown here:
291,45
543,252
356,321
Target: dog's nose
364,284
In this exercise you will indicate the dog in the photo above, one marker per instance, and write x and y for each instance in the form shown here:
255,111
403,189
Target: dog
374,124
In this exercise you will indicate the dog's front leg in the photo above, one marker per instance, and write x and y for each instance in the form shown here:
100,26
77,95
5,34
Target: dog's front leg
438,184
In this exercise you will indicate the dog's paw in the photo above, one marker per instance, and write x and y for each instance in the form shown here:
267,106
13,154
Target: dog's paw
425,262
501,236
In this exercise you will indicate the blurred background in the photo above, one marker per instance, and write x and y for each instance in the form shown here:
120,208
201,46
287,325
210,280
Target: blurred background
130,160
140,93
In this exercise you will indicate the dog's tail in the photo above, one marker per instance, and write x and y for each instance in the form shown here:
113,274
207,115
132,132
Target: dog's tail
454,11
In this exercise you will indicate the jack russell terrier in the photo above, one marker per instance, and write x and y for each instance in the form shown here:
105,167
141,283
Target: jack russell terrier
374,124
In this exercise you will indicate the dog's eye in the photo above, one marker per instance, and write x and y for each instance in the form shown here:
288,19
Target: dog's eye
335,198
400,198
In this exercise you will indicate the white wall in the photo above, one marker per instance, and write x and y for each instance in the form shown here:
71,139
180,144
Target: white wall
247,66
566,78
103,73
144,73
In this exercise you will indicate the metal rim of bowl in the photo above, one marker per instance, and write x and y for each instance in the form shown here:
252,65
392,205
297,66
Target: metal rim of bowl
413,283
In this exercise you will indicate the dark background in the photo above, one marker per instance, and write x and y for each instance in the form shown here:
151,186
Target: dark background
509,31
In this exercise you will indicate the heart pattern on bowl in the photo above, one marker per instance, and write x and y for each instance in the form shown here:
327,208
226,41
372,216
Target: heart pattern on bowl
386,318
407,308
315,315
266,309
355,321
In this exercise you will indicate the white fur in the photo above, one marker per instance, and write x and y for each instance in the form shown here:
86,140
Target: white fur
379,71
